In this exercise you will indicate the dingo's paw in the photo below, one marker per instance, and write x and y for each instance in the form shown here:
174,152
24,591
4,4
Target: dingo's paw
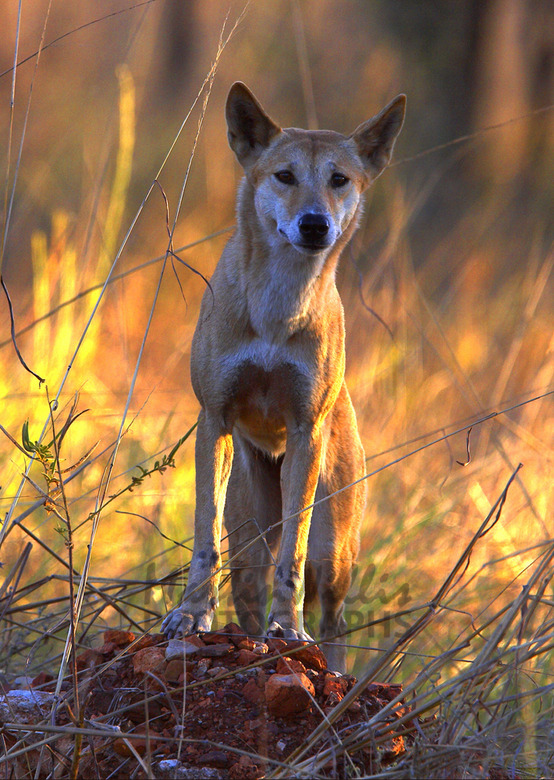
290,634
183,621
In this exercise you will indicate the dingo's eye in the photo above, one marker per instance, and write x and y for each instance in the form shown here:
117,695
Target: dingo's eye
285,177
338,180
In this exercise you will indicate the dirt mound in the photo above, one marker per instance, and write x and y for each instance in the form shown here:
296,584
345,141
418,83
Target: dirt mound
222,706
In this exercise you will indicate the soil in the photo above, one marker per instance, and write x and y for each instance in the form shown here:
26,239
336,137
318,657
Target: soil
221,706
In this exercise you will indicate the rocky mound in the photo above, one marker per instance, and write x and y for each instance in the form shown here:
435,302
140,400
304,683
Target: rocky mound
222,706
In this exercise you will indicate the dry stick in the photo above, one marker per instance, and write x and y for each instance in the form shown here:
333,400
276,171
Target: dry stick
467,382
12,328
109,468
15,574
543,571
114,278
471,136
7,520
71,637
377,471
468,679
105,732
419,706
8,210
10,139
416,628
9,206
71,32
101,499
304,65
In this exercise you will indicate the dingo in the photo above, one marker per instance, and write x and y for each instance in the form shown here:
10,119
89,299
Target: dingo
277,430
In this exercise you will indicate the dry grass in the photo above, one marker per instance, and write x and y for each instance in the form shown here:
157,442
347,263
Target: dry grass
453,595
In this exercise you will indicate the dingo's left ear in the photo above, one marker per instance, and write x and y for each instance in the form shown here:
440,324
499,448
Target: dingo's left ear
375,138
249,129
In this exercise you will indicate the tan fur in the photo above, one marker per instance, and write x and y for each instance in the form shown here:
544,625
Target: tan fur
277,430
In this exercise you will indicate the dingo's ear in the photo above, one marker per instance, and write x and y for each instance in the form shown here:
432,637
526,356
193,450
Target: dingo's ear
375,138
249,129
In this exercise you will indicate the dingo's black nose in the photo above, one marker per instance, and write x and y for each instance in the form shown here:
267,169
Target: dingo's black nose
314,228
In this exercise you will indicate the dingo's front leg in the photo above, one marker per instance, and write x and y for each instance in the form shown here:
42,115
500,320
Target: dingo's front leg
299,477
214,457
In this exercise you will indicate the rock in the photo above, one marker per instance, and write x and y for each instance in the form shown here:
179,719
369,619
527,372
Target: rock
150,659
288,694
247,657
118,638
245,769
41,680
88,659
107,648
22,683
145,641
276,645
217,671
246,643
234,633
202,667
25,706
216,638
173,769
253,692
289,666
310,655
182,648
333,684
215,651
174,670
218,758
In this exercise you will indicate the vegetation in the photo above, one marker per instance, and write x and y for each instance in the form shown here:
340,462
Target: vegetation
118,198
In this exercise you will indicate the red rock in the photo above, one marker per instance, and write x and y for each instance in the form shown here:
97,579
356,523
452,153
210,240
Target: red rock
289,666
195,640
288,694
121,747
216,638
174,670
145,641
276,645
245,769
41,680
246,644
214,651
218,758
88,659
150,659
107,648
119,638
334,690
234,633
310,655
335,685
252,692
247,657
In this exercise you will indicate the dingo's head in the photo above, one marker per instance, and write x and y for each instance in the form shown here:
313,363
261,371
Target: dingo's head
308,184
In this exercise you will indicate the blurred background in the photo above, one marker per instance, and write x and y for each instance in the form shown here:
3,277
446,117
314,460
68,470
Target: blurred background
447,285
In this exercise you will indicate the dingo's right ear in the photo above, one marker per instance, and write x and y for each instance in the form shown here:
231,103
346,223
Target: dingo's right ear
249,129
